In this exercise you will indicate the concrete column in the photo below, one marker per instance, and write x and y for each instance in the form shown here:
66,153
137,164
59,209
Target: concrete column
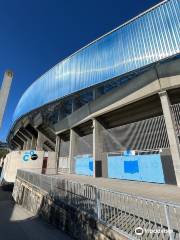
61,113
40,141
33,143
57,150
75,104
99,157
24,145
173,140
28,144
97,92
72,148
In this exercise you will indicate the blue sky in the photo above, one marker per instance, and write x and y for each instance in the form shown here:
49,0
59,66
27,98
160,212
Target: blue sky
37,34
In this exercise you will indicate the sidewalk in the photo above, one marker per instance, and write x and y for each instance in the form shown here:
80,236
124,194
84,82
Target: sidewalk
18,224
161,192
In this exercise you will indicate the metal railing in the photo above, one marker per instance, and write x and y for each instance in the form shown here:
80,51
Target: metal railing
133,216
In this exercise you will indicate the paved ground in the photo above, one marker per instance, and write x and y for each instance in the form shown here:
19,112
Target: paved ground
163,192
18,224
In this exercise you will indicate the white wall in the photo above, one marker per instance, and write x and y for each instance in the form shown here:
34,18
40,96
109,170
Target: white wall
14,161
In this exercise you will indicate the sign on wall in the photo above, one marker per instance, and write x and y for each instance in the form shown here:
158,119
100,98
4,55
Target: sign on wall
146,167
30,155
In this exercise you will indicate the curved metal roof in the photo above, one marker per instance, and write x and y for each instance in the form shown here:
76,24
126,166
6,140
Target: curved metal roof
152,36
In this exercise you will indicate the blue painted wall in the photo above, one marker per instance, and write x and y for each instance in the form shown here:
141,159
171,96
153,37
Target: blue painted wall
84,165
149,38
146,168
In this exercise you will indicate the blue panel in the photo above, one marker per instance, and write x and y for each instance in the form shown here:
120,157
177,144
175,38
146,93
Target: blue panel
151,168
91,165
131,167
146,168
84,165
115,167
149,38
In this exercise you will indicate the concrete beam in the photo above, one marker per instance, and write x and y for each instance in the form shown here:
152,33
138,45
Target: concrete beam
163,76
21,136
18,141
32,139
37,120
46,147
31,130
133,90
40,141
171,131
24,140
18,146
27,139
25,133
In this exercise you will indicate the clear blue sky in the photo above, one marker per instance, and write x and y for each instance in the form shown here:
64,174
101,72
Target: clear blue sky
36,34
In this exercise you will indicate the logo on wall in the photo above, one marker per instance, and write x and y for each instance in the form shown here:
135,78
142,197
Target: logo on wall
131,164
129,152
30,155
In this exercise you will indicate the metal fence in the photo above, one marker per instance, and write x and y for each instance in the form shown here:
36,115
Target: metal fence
133,216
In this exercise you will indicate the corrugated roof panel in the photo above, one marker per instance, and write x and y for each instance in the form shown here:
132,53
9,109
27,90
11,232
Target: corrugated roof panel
149,38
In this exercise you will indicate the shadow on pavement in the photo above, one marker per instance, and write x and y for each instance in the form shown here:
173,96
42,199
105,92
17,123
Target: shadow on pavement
17,223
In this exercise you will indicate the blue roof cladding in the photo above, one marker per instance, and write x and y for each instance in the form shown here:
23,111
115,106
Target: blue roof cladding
151,37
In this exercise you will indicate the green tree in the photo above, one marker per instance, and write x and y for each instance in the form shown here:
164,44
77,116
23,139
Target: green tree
3,153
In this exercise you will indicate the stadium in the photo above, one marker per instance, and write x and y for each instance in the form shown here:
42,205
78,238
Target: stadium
111,109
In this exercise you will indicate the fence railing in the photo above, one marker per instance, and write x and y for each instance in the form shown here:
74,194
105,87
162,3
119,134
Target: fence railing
134,216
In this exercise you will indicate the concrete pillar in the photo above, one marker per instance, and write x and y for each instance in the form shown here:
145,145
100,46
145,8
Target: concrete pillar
173,140
57,150
61,113
75,104
72,148
33,143
40,141
97,92
28,144
99,157
24,145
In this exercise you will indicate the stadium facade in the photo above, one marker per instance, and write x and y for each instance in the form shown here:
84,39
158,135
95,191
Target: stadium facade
112,109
